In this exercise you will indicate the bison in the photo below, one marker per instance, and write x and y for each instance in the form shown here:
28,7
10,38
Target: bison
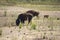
26,16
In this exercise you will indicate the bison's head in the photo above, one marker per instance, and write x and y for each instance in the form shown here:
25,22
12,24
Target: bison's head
17,22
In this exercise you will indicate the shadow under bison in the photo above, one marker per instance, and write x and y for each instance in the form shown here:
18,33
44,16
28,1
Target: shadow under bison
26,16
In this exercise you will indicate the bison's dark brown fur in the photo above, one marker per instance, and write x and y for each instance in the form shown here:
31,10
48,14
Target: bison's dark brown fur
34,13
23,17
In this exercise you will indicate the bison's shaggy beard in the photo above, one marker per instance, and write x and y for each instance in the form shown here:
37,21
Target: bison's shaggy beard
17,22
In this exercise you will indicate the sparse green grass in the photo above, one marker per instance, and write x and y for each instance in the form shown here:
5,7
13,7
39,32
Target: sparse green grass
33,26
48,26
5,13
20,25
41,7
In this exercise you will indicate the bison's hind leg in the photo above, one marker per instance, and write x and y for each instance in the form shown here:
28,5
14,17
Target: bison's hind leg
29,19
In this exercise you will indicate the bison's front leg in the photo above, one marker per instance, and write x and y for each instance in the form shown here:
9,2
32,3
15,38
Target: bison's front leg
29,19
